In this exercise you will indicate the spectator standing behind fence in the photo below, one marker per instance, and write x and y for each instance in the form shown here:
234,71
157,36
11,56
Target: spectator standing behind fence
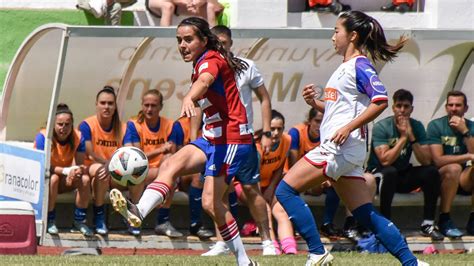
452,147
393,141
67,171
157,136
165,9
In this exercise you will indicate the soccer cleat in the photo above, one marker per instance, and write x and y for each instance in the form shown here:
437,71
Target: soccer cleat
101,227
201,232
330,231
134,231
98,8
127,209
448,229
319,260
220,248
167,229
52,229
82,228
422,263
431,231
268,249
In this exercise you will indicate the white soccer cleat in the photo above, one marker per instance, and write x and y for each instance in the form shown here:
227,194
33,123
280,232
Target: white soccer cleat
127,209
268,249
422,263
319,260
98,7
220,248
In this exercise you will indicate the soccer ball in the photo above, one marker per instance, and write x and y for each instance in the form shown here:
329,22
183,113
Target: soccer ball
128,166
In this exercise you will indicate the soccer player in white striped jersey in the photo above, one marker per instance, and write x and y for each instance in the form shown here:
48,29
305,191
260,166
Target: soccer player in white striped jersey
354,96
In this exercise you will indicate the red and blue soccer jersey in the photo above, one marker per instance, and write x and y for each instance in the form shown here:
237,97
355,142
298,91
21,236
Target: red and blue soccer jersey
224,115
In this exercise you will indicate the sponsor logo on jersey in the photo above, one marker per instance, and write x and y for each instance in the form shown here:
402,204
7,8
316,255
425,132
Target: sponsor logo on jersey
377,85
330,94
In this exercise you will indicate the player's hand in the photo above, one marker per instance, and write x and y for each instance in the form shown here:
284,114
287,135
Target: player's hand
458,123
266,143
401,125
341,135
187,108
167,147
309,94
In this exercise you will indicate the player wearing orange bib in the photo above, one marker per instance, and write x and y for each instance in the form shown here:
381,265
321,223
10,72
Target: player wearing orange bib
102,134
271,172
157,137
67,171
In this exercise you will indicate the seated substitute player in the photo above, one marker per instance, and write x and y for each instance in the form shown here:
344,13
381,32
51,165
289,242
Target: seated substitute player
452,147
271,173
393,141
103,134
67,171
157,137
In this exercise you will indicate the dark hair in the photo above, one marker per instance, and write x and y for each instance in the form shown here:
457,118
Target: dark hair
371,35
62,108
402,95
457,94
116,124
221,29
203,32
155,92
312,113
278,115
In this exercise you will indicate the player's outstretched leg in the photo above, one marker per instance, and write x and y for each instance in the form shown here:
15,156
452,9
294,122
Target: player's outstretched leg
126,208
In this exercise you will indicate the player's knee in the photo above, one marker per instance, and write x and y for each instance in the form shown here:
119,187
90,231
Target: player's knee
451,172
54,180
208,204
166,8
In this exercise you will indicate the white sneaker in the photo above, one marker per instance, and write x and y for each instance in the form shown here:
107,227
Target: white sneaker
317,260
98,7
268,248
422,263
220,248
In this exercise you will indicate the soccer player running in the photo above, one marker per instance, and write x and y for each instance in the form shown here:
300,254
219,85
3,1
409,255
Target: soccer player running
226,143
354,96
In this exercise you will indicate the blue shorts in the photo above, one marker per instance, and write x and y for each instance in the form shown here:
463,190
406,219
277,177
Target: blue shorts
249,173
223,159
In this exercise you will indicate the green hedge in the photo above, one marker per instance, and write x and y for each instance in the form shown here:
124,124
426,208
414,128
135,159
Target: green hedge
16,25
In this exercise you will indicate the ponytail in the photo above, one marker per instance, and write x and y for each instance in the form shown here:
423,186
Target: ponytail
371,36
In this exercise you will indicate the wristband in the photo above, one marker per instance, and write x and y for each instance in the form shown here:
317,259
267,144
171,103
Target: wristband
67,170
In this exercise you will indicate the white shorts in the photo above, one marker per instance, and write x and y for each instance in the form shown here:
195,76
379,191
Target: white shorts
334,165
